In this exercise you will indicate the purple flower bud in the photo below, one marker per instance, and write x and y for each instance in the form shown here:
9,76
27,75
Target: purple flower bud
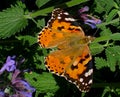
84,9
10,64
88,19
92,23
22,87
2,94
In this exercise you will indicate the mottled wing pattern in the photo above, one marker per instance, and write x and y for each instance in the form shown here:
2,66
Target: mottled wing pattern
72,58
59,27
79,71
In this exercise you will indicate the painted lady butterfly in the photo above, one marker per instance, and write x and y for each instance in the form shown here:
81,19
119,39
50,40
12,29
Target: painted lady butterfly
72,57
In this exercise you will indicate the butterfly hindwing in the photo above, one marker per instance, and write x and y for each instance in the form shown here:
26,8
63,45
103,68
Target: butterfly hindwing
80,72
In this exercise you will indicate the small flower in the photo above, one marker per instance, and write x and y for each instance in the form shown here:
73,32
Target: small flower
2,94
19,86
92,22
84,9
10,64
88,19
22,87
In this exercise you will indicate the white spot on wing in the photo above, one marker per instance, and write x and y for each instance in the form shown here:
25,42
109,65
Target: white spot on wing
86,84
83,83
65,13
89,73
69,19
90,81
81,79
59,17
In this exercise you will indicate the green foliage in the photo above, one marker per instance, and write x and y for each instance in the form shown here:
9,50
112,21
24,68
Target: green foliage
115,36
100,63
40,3
41,84
45,11
111,15
12,20
29,21
96,48
105,92
112,58
103,6
41,23
27,40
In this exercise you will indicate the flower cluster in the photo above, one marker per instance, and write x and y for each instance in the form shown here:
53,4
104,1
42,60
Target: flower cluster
20,87
88,19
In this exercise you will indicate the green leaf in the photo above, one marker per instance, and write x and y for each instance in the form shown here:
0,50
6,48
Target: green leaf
96,48
49,94
12,20
83,94
40,3
119,13
102,38
118,91
41,23
110,59
111,15
43,83
115,36
39,58
72,3
99,7
29,40
113,56
104,5
117,20
105,32
106,90
100,63
45,11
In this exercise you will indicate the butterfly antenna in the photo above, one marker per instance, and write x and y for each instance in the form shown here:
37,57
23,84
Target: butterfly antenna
98,28
96,32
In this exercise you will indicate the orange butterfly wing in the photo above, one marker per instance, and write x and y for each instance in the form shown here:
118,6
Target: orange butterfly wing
58,29
71,58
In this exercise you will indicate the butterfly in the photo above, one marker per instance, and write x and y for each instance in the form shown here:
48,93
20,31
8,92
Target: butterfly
71,58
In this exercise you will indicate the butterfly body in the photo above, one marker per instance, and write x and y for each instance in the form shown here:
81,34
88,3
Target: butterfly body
72,57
